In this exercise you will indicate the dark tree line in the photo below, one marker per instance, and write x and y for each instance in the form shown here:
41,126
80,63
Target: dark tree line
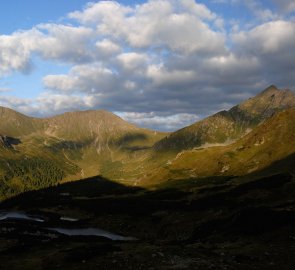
27,174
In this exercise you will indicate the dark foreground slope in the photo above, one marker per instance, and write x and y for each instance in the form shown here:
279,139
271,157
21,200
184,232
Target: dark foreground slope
213,223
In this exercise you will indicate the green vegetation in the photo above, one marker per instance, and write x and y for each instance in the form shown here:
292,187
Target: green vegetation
266,144
36,153
28,174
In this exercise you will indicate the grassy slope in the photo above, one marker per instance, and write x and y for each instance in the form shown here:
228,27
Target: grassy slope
74,145
226,126
267,143
88,143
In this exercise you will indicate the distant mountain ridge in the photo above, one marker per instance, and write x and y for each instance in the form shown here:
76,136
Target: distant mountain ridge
99,127
74,144
227,126
39,152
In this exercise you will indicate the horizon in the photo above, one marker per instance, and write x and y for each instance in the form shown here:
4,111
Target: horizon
156,130
158,64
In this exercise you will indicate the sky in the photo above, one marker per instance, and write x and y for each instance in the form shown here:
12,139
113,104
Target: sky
161,64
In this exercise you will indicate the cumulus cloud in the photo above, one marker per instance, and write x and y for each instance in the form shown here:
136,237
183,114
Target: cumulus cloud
89,78
15,55
273,43
160,76
132,61
50,41
179,25
268,38
107,48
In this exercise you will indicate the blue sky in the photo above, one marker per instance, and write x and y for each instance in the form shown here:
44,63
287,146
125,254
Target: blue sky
20,14
157,63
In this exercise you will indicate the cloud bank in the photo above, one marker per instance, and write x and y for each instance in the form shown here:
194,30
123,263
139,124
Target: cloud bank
162,64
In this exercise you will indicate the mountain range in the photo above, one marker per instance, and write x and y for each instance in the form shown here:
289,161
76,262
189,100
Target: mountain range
248,138
227,126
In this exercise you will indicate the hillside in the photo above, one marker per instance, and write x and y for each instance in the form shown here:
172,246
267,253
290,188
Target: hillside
226,126
15,124
210,207
36,152
263,147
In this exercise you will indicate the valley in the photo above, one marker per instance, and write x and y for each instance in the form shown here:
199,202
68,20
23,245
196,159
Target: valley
88,190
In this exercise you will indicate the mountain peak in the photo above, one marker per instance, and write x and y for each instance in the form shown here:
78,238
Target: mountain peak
274,90
269,101
226,126
271,88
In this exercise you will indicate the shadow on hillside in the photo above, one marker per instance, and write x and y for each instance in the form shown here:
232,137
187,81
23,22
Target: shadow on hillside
129,138
68,145
89,188
236,196
9,142
216,218
13,141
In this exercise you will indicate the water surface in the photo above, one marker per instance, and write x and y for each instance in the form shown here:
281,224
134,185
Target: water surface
92,232
19,215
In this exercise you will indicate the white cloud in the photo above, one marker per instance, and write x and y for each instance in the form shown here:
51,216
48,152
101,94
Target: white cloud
133,61
50,41
15,53
163,77
64,43
269,38
273,45
47,104
60,103
159,122
178,25
200,10
106,48
20,104
90,78
103,11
